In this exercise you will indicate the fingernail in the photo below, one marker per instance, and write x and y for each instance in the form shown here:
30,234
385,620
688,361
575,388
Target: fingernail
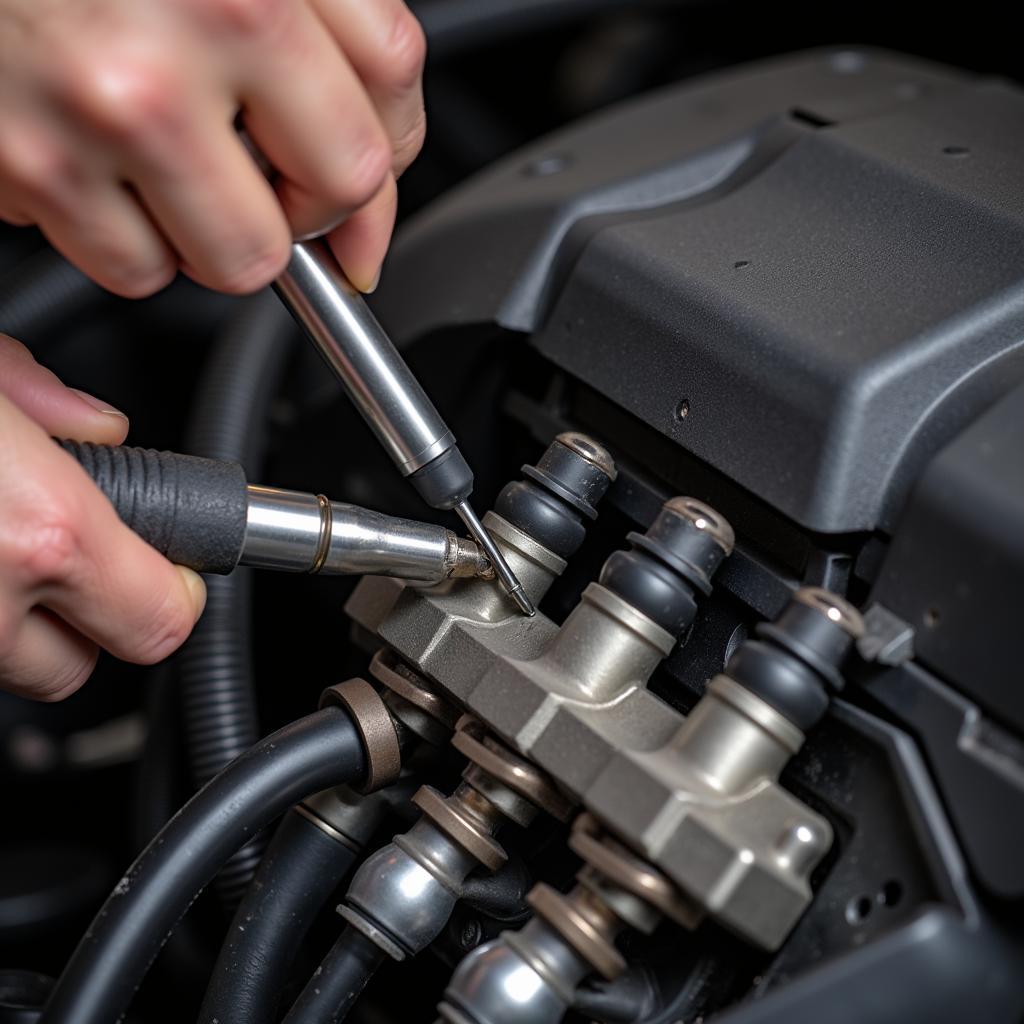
196,589
373,284
98,404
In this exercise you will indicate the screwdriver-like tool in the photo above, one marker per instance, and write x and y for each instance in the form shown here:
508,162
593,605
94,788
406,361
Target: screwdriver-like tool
204,514
335,316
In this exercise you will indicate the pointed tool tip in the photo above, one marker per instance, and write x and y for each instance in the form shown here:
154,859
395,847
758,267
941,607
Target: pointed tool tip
525,604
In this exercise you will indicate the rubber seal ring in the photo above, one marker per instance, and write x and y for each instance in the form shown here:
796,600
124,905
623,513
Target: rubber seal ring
376,729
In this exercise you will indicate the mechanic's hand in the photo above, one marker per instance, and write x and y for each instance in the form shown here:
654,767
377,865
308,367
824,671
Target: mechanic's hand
72,576
117,132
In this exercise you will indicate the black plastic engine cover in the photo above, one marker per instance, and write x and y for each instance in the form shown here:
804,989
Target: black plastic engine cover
809,273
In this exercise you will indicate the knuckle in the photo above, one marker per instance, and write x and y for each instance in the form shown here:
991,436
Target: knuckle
127,100
406,50
38,170
408,145
366,174
48,550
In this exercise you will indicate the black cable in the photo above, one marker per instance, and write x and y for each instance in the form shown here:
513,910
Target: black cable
318,751
301,868
45,293
338,982
229,422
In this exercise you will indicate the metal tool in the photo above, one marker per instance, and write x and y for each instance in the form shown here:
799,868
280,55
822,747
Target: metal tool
297,532
201,513
335,316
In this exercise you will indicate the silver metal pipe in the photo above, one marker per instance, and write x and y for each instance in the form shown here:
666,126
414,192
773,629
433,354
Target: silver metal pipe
364,358
297,532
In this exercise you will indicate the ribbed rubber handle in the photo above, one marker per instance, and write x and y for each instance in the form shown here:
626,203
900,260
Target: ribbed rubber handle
192,510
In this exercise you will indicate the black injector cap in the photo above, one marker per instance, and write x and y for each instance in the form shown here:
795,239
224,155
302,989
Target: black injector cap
559,493
668,564
794,663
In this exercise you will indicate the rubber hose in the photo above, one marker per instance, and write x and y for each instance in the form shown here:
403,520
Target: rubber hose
301,868
320,750
44,293
338,982
215,664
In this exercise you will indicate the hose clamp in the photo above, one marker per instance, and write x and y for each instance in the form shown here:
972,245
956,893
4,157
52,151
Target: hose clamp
376,729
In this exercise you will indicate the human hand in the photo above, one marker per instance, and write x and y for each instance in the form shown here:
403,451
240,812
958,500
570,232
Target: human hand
117,132
73,577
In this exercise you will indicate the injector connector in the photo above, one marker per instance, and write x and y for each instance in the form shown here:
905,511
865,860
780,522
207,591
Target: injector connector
531,976
403,895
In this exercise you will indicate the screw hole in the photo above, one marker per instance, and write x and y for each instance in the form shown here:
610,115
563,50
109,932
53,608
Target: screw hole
683,410
956,150
858,909
891,893
931,617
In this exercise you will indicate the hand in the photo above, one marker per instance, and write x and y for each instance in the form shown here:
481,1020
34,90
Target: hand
73,577
117,132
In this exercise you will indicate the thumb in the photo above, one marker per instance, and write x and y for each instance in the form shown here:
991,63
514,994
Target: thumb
59,410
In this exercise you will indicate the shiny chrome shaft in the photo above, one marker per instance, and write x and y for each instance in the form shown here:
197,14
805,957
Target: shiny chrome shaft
297,532
346,333
358,350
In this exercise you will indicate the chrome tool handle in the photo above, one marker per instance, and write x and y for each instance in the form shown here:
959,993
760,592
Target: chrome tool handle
358,350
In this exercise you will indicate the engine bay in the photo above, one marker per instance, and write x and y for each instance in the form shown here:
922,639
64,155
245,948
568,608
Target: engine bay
739,364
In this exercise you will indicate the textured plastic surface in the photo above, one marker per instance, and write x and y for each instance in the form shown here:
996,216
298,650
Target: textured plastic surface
955,567
192,510
818,259
937,968
977,764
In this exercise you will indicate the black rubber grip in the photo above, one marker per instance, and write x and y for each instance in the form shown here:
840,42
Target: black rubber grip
192,510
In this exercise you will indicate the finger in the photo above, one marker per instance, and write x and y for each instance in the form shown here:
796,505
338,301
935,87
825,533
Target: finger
59,410
62,546
86,213
10,214
46,659
387,48
361,243
104,231
214,206
310,115
121,593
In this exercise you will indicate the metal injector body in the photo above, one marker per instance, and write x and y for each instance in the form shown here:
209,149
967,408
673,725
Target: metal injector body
336,318
735,743
403,895
669,565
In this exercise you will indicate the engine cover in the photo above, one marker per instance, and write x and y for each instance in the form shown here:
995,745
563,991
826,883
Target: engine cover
806,273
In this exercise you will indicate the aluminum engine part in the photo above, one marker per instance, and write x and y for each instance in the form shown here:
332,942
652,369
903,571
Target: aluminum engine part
574,700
